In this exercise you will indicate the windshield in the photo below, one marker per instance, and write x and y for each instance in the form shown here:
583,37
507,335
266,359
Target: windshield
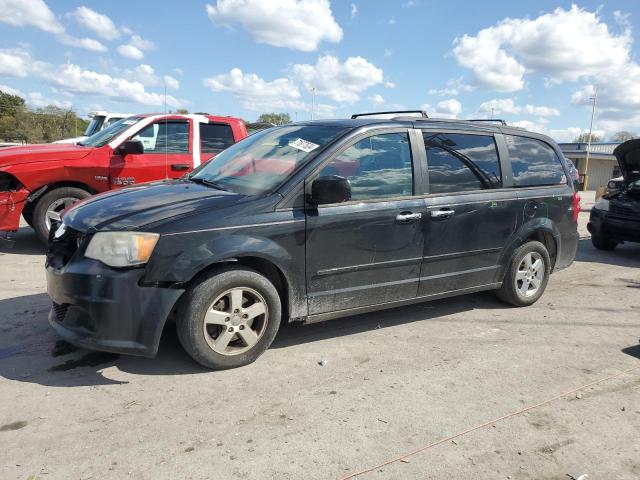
95,125
264,160
105,136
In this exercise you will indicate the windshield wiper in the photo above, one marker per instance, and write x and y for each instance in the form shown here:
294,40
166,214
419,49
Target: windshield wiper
209,183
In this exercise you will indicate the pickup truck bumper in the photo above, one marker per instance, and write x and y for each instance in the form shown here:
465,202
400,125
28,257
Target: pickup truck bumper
11,205
102,308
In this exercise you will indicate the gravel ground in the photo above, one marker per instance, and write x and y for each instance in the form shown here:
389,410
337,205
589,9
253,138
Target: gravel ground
393,382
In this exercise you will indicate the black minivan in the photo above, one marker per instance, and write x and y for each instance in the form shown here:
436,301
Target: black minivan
313,221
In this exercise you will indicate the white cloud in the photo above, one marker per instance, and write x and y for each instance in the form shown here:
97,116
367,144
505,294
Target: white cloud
389,84
29,13
37,100
99,23
499,106
131,52
178,71
296,24
392,20
376,99
74,79
146,75
354,10
135,48
450,108
342,82
256,93
564,45
36,13
11,91
454,87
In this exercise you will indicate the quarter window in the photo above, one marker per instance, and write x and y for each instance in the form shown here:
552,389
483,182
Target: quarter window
215,137
533,162
165,137
377,167
458,163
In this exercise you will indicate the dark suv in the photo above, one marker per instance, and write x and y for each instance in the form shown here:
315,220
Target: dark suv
615,218
313,221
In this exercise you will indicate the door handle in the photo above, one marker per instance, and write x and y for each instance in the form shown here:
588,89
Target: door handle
442,214
180,166
407,217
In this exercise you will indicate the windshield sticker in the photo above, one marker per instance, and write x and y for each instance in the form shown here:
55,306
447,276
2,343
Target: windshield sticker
303,145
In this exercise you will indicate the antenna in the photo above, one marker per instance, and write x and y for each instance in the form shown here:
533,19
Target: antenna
166,136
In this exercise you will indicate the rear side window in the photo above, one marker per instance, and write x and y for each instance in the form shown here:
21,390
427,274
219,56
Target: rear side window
215,137
458,162
534,163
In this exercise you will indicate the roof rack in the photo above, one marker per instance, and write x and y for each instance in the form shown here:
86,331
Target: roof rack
422,113
495,120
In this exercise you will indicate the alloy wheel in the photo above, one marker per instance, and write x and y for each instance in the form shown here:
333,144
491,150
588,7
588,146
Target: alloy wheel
530,274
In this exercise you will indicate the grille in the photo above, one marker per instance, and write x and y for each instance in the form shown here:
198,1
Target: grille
60,311
623,210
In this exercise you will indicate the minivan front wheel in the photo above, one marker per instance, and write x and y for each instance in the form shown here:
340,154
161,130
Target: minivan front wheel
527,275
229,319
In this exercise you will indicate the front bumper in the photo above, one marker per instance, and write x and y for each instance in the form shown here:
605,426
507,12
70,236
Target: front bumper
613,227
102,308
11,205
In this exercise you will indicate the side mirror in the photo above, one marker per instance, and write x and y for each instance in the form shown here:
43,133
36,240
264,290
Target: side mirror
330,189
130,147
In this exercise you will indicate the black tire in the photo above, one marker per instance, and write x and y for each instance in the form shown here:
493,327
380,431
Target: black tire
509,292
196,301
39,218
603,243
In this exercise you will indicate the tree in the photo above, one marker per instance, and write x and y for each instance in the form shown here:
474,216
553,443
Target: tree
584,138
622,136
275,118
182,111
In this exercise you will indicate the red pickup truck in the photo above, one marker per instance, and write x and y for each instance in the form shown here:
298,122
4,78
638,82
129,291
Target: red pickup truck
40,181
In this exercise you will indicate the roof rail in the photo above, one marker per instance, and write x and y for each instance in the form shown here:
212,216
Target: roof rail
495,120
422,113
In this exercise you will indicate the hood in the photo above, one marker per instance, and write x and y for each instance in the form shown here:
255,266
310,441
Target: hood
42,153
134,207
628,156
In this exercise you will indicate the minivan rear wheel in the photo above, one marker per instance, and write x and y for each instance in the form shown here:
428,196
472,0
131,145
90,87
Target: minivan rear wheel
527,275
229,318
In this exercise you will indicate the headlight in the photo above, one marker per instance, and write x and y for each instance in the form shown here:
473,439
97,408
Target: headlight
602,204
122,249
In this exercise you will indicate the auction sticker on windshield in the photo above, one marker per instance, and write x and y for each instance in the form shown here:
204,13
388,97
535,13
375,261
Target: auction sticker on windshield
303,145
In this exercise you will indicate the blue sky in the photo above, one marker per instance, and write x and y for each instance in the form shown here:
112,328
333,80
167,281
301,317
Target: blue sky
535,66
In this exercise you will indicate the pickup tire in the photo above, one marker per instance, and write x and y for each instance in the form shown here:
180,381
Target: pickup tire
229,318
527,275
52,203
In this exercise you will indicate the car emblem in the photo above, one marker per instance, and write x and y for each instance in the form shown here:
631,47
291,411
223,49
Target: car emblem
60,231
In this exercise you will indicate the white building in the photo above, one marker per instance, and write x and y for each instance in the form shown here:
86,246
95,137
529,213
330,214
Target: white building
603,166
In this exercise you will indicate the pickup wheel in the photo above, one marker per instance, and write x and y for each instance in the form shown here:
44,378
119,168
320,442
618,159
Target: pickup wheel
27,213
527,275
603,243
228,319
50,206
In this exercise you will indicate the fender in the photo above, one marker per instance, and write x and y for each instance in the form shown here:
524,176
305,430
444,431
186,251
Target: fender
527,230
179,259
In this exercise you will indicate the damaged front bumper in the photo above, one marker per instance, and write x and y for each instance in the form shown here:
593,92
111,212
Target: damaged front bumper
11,205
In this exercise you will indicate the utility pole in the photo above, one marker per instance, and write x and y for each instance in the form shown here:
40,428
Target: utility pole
313,101
586,163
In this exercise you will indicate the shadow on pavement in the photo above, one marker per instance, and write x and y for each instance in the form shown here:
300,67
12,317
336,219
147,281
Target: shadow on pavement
23,242
626,255
633,350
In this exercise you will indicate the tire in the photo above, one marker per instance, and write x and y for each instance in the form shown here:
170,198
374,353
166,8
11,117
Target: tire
27,213
519,278
226,342
59,199
603,243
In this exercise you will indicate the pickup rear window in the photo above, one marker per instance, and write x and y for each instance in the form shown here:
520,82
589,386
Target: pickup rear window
215,137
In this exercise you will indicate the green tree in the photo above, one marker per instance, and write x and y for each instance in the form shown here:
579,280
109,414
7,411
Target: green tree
622,136
275,118
182,111
584,138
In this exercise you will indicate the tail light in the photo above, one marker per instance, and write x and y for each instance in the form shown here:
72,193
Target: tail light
576,206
